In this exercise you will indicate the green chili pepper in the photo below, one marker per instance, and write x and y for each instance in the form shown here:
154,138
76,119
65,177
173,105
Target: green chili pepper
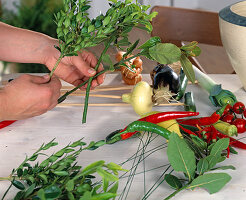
189,103
145,126
183,84
112,138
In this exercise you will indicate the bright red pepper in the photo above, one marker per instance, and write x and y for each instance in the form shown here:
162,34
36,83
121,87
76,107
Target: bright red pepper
203,121
187,130
160,117
6,123
233,142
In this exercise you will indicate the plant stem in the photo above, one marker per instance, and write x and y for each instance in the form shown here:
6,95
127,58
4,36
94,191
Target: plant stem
177,191
5,179
7,190
56,65
90,81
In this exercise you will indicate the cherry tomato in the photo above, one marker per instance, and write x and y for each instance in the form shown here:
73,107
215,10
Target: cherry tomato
244,113
238,107
228,118
240,124
228,109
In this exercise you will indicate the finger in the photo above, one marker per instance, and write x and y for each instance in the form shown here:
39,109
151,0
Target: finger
83,66
36,79
100,79
54,84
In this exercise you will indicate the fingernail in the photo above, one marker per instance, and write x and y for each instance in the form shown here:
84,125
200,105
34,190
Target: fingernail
91,71
46,76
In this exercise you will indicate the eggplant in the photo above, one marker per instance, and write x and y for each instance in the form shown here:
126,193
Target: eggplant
163,76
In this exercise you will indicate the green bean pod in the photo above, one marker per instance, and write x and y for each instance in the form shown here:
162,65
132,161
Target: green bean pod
183,84
146,126
189,104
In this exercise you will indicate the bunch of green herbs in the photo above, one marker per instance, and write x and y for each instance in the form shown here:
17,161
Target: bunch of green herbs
60,177
197,161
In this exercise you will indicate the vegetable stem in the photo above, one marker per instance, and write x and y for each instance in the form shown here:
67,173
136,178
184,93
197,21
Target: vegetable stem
90,81
56,65
177,191
204,80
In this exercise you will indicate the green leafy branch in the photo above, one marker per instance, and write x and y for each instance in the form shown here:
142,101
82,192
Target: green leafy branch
60,177
183,157
76,31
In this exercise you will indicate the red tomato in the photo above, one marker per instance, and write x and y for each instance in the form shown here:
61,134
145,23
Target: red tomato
228,118
228,109
240,124
244,113
238,107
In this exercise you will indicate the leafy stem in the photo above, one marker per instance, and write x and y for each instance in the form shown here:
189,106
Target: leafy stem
56,65
91,78
176,192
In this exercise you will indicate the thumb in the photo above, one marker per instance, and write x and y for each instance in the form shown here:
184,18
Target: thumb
83,67
40,79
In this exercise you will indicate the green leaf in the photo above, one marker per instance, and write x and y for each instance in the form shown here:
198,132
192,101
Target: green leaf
70,196
103,196
61,173
29,190
19,172
52,192
123,42
34,157
115,167
105,184
216,89
131,48
173,181
106,175
114,1
84,8
220,145
106,20
190,46
92,168
180,156
225,168
212,182
202,166
41,194
165,53
70,185
18,185
86,196
196,51
150,43
114,188
106,59
43,177
77,143
188,69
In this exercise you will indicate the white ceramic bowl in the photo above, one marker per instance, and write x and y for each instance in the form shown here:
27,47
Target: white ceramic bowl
232,21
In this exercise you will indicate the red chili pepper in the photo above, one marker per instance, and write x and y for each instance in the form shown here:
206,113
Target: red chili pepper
160,117
203,121
187,130
228,151
233,142
6,123
214,134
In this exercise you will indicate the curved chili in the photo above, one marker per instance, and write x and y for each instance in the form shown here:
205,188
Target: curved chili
160,117
203,121
145,126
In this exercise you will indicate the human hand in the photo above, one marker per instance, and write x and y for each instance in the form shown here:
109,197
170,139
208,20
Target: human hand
75,69
29,96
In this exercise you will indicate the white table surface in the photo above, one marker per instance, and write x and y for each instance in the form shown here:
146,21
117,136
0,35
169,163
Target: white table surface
64,123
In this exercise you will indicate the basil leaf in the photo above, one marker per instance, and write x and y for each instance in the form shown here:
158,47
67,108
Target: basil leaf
187,67
173,181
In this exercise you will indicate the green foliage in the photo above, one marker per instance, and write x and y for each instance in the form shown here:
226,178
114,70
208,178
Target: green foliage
60,177
182,158
36,15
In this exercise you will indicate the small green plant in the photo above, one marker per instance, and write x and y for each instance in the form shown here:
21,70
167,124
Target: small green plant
60,177
77,31
197,162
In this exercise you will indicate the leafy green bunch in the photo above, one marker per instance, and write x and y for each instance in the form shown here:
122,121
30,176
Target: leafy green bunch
197,160
60,177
